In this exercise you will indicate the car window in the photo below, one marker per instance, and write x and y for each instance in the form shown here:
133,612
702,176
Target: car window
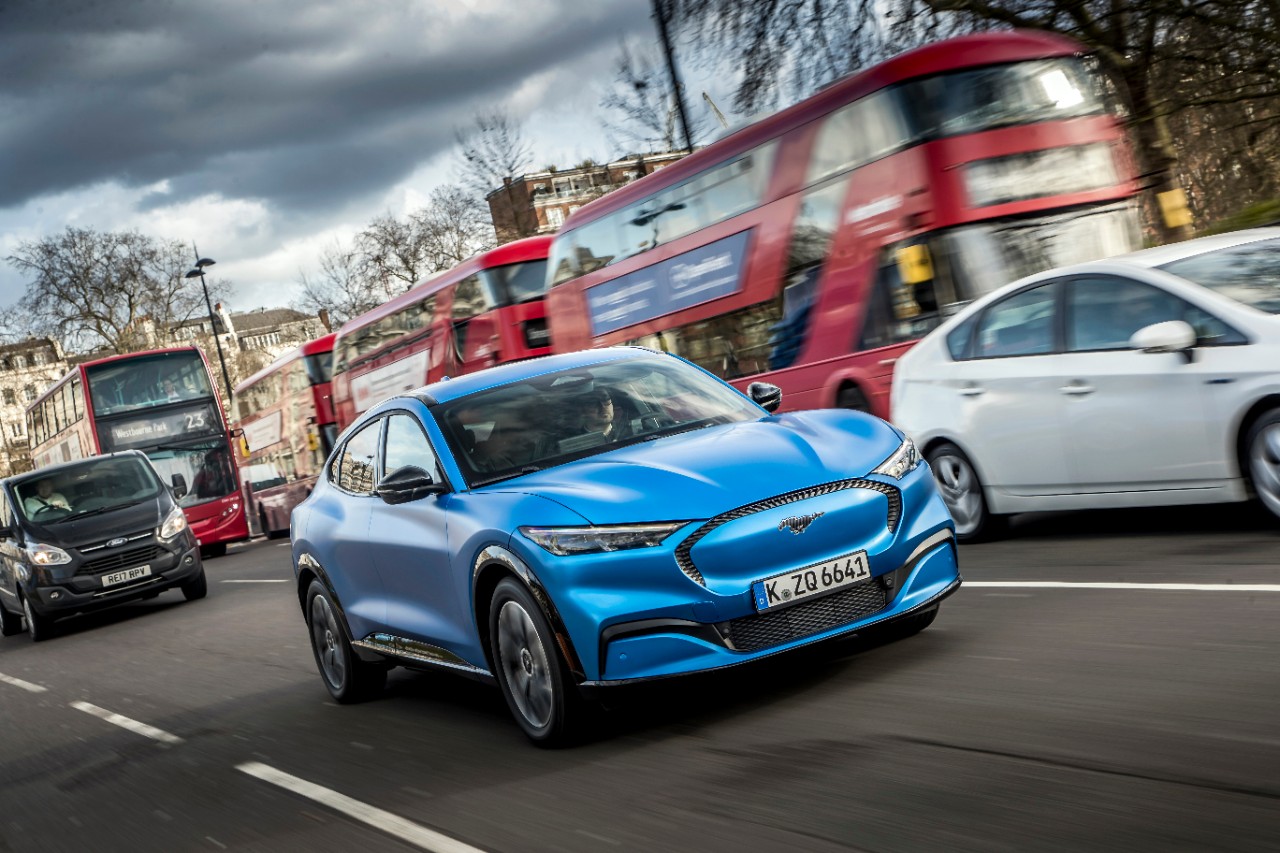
408,445
356,464
1021,324
1103,312
1249,273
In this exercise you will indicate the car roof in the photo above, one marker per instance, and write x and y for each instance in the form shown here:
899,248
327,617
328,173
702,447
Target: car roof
51,470
448,390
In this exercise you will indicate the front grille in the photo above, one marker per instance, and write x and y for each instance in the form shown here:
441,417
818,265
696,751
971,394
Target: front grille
129,537
893,515
121,560
752,633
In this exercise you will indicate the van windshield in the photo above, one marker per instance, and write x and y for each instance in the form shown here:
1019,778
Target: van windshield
97,484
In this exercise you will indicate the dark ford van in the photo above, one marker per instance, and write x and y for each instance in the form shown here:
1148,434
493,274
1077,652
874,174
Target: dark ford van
88,534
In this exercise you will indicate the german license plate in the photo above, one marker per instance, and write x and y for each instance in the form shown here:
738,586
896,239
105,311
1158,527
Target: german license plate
126,575
811,581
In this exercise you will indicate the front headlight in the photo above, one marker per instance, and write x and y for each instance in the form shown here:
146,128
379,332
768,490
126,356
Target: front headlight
563,541
903,461
173,525
47,555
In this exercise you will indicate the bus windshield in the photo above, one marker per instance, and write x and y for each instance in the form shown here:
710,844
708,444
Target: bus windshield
320,367
205,466
977,99
515,283
145,381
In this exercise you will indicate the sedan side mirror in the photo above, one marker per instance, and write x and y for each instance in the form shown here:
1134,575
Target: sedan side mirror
766,396
179,486
408,483
1169,336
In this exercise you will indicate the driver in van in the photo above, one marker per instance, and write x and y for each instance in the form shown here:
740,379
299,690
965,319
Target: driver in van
45,496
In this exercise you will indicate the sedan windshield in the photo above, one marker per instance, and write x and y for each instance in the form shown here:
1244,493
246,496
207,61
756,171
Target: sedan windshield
558,417
1248,273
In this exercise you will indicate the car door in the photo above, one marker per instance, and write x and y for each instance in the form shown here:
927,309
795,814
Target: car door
339,518
1135,421
10,556
1004,407
409,543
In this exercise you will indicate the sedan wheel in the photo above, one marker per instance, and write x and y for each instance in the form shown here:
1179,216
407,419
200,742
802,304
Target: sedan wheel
1264,460
533,677
347,677
962,493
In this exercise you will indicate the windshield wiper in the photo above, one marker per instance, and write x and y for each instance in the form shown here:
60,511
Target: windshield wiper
97,511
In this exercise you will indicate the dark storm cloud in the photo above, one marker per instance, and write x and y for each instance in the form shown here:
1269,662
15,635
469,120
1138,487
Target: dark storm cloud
297,103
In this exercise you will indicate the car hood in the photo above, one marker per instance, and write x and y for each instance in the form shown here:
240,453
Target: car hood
703,473
93,529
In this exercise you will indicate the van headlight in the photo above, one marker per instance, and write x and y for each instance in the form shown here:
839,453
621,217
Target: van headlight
903,461
173,525
563,541
46,555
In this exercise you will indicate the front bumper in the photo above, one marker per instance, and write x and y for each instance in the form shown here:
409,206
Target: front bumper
79,594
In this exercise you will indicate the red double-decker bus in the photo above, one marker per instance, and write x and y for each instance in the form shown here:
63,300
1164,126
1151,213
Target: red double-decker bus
284,413
164,403
485,311
811,248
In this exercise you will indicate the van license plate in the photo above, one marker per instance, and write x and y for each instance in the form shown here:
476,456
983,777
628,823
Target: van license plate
126,575
811,581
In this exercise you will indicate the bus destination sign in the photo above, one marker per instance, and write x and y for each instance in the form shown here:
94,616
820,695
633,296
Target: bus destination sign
157,429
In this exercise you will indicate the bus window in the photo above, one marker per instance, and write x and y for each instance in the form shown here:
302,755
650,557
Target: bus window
898,311
857,134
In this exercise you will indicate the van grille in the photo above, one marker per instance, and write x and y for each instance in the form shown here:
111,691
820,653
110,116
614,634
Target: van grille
121,560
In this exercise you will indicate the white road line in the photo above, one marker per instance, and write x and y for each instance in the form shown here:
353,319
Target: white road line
403,829
25,685
1177,587
126,723
266,580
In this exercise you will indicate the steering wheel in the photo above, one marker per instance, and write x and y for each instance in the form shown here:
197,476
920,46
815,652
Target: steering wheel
46,507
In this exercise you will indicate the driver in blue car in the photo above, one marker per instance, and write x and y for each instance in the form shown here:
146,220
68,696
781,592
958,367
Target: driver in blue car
45,496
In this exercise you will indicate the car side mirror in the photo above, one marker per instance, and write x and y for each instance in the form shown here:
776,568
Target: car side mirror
409,483
179,486
766,396
1169,336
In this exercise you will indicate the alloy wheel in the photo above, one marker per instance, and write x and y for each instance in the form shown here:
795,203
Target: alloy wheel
525,664
1264,466
326,636
961,492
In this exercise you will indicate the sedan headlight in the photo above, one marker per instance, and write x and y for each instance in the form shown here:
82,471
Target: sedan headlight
903,461
563,541
47,555
173,525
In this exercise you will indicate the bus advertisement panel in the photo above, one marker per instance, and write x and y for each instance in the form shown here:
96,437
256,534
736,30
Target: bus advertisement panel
487,310
811,248
164,403
285,415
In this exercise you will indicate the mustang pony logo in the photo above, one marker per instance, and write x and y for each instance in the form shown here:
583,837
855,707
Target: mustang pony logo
797,524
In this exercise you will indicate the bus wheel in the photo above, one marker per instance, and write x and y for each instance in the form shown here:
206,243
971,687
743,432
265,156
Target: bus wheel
10,623
851,397
208,552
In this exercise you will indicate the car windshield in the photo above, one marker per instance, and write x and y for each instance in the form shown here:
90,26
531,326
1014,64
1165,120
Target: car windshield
558,417
1248,273
98,484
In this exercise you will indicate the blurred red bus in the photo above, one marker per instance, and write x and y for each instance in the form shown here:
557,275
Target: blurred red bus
811,248
485,311
164,403
285,413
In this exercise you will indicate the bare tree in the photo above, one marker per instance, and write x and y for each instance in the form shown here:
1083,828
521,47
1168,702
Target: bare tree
116,291
639,105
452,227
491,152
344,286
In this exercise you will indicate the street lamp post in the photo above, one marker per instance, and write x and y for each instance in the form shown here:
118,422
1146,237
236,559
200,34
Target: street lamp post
198,272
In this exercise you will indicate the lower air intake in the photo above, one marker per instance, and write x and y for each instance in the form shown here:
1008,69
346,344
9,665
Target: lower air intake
752,633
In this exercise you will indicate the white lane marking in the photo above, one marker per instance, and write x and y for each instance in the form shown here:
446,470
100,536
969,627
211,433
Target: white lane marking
126,723
25,685
265,580
1177,587
403,829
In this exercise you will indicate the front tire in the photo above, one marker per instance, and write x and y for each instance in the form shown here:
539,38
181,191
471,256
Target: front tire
962,493
1263,444
39,626
531,672
10,623
347,678
196,588
211,551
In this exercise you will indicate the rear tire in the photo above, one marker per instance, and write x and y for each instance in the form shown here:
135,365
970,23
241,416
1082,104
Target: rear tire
196,588
1263,448
39,626
962,492
10,623
347,678
533,675
852,398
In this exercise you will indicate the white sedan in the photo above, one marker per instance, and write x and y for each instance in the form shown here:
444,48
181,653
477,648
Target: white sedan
1146,379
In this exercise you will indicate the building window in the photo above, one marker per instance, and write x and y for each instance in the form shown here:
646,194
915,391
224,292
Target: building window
555,216
38,358
15,430
29,393
19,362
10,397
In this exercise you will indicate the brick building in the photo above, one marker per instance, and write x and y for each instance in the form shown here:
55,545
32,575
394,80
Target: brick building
27,368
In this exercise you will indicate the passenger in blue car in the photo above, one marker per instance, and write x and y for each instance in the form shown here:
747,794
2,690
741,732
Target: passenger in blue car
510,444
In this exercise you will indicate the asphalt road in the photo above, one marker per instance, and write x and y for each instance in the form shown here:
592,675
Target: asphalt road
1120,717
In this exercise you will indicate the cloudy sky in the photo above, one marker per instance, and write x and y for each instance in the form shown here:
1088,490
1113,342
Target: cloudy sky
261,130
